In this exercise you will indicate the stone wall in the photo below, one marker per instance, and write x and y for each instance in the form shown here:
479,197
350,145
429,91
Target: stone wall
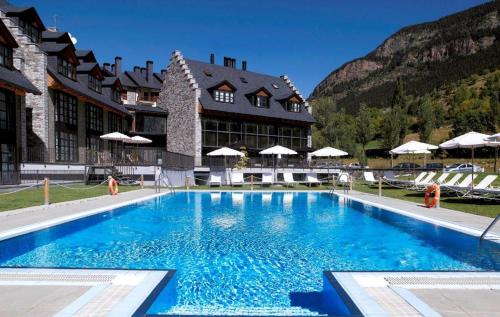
180,95
32,62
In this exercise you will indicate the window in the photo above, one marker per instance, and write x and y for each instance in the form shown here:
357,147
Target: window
275,86
66,146
115,122
65,108
6,56
261,101
94,118
7,159
150,124
116,95
224,96
7,111
66,68
95,84
292,106
94,143
244,80
28,29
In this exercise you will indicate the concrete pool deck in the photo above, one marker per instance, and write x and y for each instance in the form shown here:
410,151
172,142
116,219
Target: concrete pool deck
47,296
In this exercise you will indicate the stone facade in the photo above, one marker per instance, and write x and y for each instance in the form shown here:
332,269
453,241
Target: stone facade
32,62
179,95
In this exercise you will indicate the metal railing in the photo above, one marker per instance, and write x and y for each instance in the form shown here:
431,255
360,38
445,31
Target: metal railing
132,156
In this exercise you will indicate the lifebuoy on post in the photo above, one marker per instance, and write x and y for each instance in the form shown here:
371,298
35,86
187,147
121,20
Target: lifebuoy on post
436,189
112,186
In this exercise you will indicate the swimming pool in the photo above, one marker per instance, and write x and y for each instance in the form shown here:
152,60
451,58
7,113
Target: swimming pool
245,252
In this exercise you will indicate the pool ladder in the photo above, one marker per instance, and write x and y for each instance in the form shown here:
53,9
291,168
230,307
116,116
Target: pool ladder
163,178
492,224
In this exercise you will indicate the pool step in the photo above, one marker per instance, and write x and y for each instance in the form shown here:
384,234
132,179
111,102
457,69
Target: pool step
241,311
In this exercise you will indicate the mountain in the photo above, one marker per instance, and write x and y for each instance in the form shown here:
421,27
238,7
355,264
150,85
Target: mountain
425,56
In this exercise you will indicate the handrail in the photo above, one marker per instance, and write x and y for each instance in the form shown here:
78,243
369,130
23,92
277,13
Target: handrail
490,227
161,178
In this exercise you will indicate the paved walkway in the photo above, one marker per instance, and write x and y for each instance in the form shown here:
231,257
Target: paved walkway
459,218
28,216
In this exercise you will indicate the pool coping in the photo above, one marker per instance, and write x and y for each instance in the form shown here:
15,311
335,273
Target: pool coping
356,297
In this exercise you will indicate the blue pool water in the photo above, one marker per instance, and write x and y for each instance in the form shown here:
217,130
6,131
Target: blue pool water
238,251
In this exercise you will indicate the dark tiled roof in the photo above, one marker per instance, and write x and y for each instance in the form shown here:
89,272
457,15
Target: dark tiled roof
13,10
87,55
144,108
126,81
254,82
7,36
139,78
52,47
18,80
86,67
109,81
84,90
59,37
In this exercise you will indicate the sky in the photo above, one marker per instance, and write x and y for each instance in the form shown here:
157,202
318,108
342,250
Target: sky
304,39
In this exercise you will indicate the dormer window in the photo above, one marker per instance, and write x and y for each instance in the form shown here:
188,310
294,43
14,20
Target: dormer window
66,68
260,98
6,56
95,84
32,32
292,106
116,95
224,96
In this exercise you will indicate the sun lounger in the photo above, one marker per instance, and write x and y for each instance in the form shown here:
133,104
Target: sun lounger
484,186
427,180
267,179
454,180
463,186
237,179
288,178
390,177
442,178
369,178
312,179
415,181
214,180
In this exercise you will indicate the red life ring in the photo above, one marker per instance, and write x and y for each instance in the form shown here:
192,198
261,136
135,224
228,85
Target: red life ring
436,189
112,186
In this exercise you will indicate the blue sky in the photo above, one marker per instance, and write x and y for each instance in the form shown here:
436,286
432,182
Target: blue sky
305,39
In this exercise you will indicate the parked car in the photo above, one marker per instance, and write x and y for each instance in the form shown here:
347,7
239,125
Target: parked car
434,166
358,165
406,166
463,168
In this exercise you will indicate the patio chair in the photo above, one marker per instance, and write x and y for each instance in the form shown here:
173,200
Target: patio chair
454,180
288,178
237,179
214,180
369,178
484,186
390,177
312,179
267,179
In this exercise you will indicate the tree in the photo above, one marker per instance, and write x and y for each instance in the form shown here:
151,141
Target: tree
396,121
472,120
425,119
365,126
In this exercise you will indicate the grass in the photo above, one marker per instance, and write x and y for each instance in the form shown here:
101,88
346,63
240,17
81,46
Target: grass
34,197
468,205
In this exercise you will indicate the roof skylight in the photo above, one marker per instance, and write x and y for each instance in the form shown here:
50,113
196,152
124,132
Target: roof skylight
244,80
207,73
275,86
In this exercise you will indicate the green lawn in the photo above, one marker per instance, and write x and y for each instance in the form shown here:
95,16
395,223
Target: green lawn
472,206
34,197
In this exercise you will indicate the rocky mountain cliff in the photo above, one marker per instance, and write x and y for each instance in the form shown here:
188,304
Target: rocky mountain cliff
425,56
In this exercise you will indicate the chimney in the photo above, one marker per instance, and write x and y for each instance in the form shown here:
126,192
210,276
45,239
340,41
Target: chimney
244,65
113,69
149,70
226,61
233,63
143,70
212,58
106,66
137,69
163,71
118,65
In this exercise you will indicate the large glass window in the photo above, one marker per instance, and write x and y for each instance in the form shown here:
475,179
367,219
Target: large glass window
7,110
28,29
94,118
224,96
150,124
218,133
65,108
66,68
116,95
260,101
66,146
115,122
95,84
6,56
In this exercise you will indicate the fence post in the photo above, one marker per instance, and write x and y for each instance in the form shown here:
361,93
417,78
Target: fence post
251,182
46,191
142,181
380,187
350,182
